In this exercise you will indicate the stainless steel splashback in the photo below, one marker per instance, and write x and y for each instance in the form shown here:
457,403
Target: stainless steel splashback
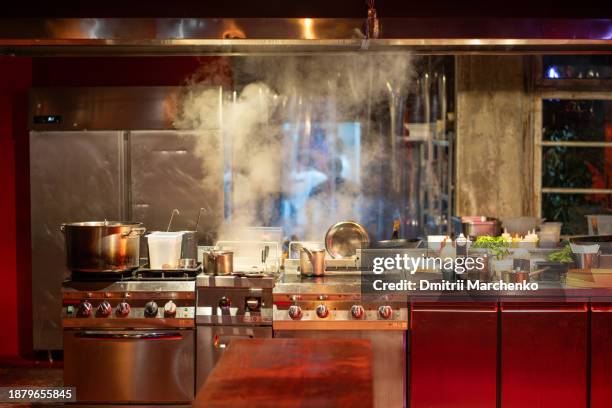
103,108
88,162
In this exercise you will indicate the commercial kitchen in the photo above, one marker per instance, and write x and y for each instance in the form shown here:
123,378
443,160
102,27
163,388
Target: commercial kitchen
195,204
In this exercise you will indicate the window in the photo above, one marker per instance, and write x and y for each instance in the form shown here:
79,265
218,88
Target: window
573,146
573,174
563,67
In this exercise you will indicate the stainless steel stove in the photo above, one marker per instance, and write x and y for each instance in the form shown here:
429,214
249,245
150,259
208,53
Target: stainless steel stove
333,306
229,308
130,339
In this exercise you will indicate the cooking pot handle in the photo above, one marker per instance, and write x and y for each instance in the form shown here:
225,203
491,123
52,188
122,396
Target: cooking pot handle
134,231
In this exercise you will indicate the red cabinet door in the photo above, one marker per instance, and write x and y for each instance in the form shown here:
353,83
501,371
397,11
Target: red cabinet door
544,355
601,355
453,355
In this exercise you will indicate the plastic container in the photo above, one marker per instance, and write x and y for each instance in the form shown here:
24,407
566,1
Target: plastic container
599,224
164,249
520,225
550,233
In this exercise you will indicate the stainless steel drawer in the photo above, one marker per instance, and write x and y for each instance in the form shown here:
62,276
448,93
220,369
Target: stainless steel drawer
212,341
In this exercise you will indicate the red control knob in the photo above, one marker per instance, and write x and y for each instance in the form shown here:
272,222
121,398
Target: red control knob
322,311
225,303
150,309
169,309
295,312
84,309
123,309
104,309
385,312
357,312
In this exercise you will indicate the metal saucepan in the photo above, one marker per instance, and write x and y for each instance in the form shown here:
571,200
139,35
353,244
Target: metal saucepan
219,262
312,262
397,243
102,246
344,238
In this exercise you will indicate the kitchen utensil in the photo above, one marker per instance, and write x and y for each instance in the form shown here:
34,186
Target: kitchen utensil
198,219
587,260
397,243
174,212
587,255
344,238
187,263
520,225
435,242
599,224
550,233
521,276
312,262
604,242
476,226
264,256
102,246
164,249
189,245
219,262
508,276
550,271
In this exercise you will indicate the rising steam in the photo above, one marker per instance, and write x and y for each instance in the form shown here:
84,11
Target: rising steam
275,137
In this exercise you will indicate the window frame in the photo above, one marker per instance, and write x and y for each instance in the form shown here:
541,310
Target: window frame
563,94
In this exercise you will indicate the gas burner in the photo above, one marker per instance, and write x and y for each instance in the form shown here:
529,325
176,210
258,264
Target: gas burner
79,276
170,274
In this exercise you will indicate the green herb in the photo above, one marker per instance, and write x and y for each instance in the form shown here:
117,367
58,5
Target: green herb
498,246
564,255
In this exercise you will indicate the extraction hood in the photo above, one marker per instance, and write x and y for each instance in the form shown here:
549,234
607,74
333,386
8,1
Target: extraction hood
149,36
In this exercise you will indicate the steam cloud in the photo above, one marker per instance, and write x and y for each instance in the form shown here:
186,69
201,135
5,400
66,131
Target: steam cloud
255,135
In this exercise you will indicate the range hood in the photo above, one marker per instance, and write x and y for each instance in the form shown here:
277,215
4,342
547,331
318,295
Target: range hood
150,36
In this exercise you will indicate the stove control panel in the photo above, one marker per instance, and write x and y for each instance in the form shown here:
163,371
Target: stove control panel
234,305
106,308
341,312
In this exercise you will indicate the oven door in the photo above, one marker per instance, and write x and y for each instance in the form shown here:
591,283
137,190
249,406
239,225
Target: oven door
131,366
212,341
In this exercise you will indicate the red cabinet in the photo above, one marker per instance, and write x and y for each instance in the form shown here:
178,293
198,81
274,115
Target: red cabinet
601,355
453,355
544,355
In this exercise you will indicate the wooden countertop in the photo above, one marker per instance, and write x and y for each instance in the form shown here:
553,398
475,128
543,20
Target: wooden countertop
287,373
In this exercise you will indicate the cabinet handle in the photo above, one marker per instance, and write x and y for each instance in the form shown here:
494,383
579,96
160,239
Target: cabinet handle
219,342
491,310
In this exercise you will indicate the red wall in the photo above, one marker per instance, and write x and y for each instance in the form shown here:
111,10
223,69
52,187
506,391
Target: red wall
17,75
15,80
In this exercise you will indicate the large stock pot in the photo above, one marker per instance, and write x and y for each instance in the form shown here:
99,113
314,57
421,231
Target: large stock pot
102,246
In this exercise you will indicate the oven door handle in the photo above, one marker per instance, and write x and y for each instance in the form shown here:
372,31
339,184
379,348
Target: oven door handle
222,341
100,335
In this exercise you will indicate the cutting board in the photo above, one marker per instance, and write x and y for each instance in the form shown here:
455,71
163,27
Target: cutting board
593,278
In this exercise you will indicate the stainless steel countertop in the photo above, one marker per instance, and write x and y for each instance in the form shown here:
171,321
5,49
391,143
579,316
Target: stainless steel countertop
291,283
231,281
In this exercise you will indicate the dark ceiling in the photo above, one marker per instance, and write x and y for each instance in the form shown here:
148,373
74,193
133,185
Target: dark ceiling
307,8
